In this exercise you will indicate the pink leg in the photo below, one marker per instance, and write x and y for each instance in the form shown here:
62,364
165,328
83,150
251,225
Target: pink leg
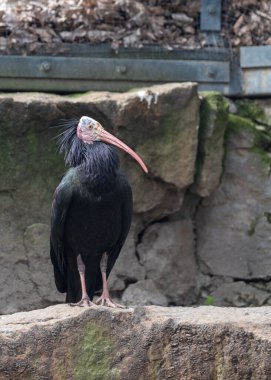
105,299
85,301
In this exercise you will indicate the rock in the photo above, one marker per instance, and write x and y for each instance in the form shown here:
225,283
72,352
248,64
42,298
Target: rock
205,343
29,170
154,120
255,110
233,224
144,292
167,254
170,129
31,274
240,294
38,262
127,268
265,106
213,123
153,199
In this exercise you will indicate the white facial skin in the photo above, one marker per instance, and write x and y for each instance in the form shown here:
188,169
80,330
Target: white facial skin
88,129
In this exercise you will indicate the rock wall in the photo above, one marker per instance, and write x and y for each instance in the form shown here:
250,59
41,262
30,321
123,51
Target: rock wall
233,223
61,342
201,224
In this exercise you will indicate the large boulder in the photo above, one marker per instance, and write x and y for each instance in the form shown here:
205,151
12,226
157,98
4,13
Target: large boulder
61,342
161,123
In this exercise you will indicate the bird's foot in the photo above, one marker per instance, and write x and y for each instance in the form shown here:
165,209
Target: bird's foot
107,301
85,302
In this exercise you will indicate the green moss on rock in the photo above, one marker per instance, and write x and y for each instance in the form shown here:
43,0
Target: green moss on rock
253,226
262,136
238,123
210,154
264,156
250,109
209,301
164,138
213,106
170,148
94,356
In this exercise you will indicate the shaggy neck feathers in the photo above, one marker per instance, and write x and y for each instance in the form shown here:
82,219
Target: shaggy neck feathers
97,162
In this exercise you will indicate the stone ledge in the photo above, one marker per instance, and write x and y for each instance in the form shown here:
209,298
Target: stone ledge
151,342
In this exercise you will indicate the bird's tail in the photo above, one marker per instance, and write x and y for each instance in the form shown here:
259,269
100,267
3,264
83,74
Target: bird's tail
60,279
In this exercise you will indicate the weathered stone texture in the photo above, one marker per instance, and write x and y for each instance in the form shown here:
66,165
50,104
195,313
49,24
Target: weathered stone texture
204,343
167,254
213,124
128,268
29,167
144,292
233,234
240,294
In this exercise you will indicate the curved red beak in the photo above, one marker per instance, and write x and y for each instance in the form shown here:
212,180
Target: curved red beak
110,139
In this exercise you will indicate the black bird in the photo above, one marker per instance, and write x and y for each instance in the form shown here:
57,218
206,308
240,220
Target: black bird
91,212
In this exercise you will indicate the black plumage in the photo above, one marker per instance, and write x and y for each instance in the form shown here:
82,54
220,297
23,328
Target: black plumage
91,213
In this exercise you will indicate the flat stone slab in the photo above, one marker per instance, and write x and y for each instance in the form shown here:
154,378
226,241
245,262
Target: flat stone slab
63,342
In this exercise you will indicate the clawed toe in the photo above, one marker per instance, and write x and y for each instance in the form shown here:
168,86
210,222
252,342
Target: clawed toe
106,301
85,302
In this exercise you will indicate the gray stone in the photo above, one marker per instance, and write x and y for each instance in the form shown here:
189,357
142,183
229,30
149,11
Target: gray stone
257,110
266,106
29,280
152,342
233,224
167,253
39,265
161,124
232,106
144,292
30,169
240,294
164,130
153,199
127,267
213,123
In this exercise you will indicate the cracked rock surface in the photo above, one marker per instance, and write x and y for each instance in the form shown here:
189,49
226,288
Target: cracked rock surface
152,342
